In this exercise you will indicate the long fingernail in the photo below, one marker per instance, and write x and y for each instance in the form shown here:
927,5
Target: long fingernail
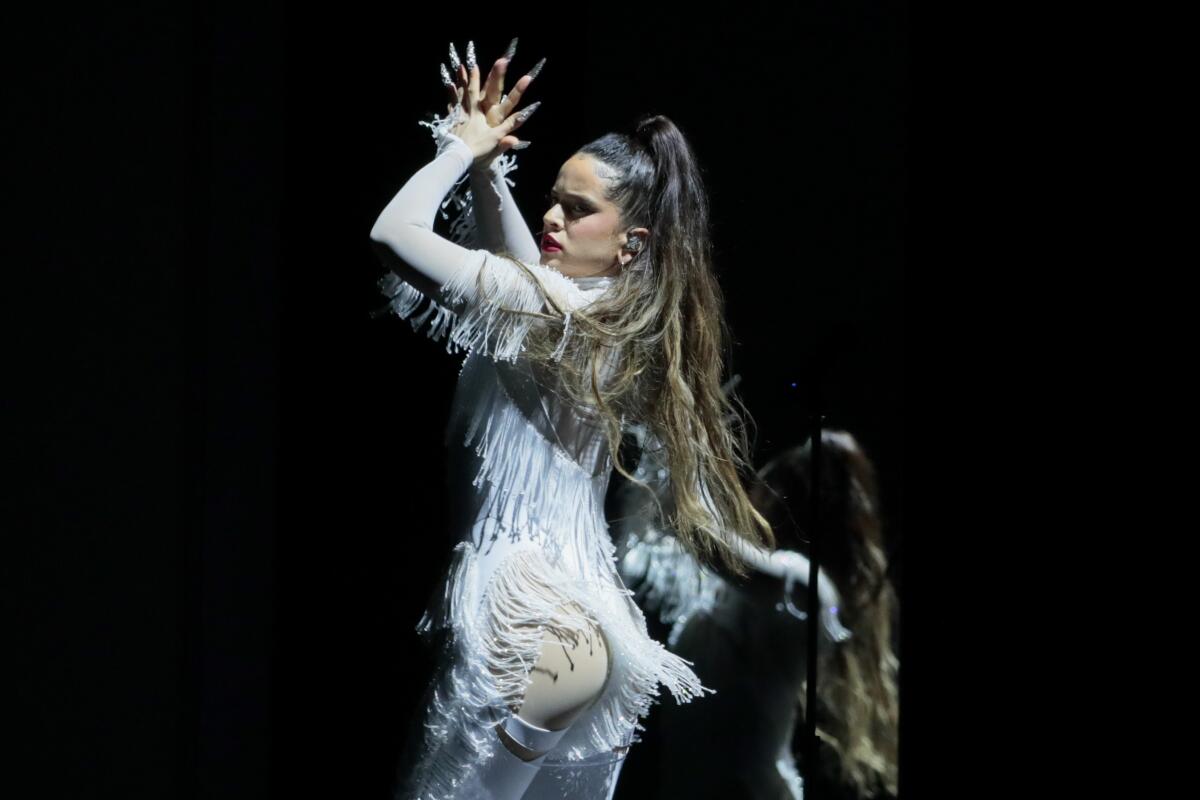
471,55
454,62
533,73
446,77
520,145
512,49
528,112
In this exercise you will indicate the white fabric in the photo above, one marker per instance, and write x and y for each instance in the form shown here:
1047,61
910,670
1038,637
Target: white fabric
528,475
668,580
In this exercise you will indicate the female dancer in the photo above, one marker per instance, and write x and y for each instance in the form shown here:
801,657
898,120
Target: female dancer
748,641
617,318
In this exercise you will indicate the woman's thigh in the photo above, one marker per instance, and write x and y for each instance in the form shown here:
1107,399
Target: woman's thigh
570,674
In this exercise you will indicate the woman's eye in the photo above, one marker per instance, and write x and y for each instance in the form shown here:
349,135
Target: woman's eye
574,208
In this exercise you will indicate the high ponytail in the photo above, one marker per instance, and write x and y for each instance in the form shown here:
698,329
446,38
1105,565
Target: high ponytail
654,348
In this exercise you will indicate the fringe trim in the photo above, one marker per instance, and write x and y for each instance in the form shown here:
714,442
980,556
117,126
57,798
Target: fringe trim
531,486
495,640
490,324
668,580
526,597
535,492
534,488
664,577
463,229
467,322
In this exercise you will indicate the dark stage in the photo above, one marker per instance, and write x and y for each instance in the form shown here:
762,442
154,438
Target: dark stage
230,514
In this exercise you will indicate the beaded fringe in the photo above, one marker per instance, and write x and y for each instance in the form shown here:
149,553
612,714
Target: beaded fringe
459,315
668,580
531,489
494,641
462,229
530,486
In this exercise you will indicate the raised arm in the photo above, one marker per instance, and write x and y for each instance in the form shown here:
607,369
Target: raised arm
498,221
403,235
425,266
497,217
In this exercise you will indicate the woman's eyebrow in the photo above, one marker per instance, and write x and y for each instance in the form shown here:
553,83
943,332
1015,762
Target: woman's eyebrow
571,194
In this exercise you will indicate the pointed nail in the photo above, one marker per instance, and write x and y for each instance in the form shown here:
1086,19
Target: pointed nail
520,145
446,77
512,49
471,55
528,112
533,73
454,62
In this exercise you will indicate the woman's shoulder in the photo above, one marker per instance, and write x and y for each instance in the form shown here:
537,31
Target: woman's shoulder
567,292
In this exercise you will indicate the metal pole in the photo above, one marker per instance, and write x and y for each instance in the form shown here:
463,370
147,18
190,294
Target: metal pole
813,606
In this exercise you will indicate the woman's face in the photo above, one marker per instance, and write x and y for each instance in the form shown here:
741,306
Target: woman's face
582,223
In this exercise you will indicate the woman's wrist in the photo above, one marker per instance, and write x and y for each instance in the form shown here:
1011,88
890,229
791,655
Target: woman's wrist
475,163
485,165
461,148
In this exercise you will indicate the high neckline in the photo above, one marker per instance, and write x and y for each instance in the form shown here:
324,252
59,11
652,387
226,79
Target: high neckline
584,283
591,281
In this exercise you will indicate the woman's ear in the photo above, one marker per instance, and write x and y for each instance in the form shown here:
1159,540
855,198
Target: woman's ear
635,242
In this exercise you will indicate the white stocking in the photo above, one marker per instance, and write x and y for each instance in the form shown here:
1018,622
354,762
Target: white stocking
506,776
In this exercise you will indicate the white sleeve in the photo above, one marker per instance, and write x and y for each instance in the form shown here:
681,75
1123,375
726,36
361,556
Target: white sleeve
497,217
424,265
779,564
755,555
405,226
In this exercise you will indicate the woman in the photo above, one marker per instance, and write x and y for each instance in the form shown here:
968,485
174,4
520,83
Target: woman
747,639
616,318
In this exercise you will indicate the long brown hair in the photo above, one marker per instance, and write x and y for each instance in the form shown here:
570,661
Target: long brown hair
857,692
653,348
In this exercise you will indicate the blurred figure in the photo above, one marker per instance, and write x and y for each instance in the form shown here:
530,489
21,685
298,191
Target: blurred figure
747,638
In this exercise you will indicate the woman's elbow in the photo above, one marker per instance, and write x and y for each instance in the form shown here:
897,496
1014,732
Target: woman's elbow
385,246
397,235
379,232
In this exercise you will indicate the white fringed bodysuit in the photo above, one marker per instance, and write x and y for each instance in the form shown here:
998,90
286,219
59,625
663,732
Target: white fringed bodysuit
529,474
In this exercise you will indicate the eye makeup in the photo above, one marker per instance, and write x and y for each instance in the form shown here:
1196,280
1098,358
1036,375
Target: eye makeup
578,205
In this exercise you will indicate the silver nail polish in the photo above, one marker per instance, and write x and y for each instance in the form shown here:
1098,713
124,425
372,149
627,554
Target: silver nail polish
454,62
446,77
520,145
512,49
471,55
533,73
528,112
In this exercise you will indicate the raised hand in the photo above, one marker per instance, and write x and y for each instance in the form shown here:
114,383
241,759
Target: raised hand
489,102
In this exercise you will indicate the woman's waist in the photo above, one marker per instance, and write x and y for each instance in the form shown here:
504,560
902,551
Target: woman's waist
540,450
580,553
513,417
562,532
541,482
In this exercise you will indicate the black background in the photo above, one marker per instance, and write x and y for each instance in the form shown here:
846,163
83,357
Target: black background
230,514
